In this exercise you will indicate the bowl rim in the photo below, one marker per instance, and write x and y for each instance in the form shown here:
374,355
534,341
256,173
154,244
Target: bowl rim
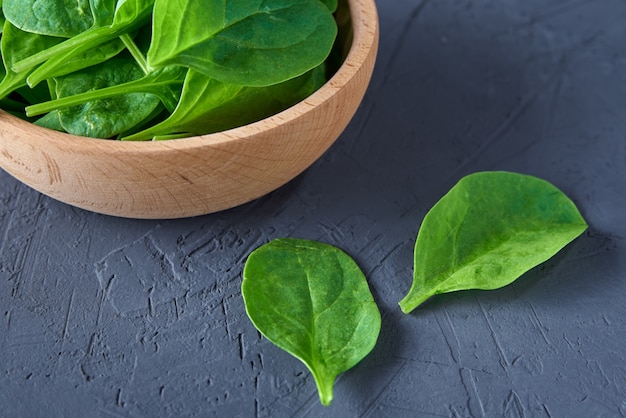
364,18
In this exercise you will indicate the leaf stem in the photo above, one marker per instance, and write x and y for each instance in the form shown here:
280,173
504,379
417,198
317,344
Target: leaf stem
135,52
80,42
80,98
135,86
324,386
413,299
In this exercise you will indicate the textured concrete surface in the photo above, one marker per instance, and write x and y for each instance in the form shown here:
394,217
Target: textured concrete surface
110,317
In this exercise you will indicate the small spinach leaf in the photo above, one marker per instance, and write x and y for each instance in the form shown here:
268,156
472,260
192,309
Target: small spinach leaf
488,230
251,43
312,300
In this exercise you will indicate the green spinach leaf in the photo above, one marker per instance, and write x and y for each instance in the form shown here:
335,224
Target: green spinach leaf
331,4
103,11
50,121
64,18
70,62
207,105
487,231
129,15
15,45
104,118
312,300
165,84
247,42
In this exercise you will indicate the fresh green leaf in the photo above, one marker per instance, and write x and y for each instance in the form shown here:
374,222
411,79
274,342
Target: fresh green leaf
129,15
247,42
207,105
70,62
50,121
158,114
104,118
15,45
103,11
165,84
487,231
312,300
63,18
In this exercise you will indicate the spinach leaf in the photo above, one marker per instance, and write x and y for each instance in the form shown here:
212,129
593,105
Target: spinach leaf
15,45
67,63
251,42
312,300
103,11
488,230
164,84
50,121
63,18
104,118
129,15
207,105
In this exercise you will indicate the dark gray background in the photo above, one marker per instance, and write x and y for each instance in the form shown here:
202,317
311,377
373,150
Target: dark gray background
102,316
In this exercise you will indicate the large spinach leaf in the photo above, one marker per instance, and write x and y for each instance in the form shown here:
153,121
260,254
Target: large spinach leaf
487,231
104,118
312,300
247,42
207,105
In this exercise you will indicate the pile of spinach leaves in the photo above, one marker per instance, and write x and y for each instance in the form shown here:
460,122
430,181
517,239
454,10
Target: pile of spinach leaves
156,69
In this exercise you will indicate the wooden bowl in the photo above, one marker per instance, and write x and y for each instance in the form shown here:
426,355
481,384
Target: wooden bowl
198,175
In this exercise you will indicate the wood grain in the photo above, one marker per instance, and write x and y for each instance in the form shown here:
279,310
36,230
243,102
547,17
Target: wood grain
198,175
